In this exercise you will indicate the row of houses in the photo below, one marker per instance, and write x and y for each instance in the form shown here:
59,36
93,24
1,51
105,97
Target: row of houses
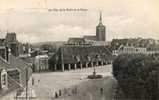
72,56
133,50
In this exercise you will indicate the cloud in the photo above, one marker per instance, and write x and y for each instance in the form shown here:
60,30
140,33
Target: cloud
55,33
123,18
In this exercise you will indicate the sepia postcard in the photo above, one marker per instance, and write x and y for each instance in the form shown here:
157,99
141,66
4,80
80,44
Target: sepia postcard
79,49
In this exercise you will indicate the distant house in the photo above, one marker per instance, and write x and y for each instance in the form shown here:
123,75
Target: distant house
40,63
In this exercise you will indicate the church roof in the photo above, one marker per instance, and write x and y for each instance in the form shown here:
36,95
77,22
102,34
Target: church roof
89,37
74,39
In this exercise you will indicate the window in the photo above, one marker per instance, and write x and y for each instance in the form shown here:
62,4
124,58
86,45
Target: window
4,79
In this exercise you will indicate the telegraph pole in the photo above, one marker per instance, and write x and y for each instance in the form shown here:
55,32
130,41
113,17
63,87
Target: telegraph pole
26,83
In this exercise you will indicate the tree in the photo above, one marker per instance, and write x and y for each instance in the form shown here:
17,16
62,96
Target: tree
137,75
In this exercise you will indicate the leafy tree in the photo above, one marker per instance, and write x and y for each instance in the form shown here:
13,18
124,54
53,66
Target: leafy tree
137,75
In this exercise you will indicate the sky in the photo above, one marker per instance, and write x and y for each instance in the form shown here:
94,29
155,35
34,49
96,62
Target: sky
33,22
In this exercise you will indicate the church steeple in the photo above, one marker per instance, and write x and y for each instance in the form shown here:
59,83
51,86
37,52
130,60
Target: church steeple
100,30
100,19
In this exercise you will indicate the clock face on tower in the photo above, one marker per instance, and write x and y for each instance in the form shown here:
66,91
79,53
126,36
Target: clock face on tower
101,28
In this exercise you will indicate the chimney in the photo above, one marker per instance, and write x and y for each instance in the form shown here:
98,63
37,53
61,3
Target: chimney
8,54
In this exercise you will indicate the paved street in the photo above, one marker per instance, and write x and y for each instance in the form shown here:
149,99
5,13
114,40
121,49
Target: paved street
46,84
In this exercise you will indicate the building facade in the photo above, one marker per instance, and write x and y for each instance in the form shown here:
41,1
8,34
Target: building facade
12,43
41,63
129,50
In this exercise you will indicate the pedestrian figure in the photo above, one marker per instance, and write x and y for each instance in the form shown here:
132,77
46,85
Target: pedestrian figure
56,95
75,90
69,92
65,91
60,93
38,81
101,90
90,96
32,81
72,91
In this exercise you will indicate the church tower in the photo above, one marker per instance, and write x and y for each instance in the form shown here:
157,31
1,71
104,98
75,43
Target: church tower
100,30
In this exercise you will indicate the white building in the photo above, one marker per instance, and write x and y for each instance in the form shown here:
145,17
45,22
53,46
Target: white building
41,63
130,50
